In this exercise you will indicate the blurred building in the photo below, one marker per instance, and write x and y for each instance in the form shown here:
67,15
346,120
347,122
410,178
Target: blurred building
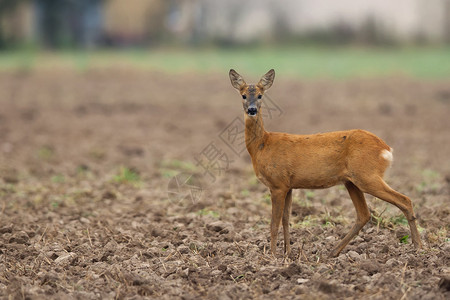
87,23
134,21
81,23
350,20
15,22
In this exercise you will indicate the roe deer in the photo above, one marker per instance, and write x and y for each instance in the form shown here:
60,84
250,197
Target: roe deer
283,162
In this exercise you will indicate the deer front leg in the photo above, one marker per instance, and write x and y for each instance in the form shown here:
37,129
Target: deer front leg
286,215
278,202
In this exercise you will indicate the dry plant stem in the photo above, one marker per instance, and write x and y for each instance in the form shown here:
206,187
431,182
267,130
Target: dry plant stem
89,237
43,234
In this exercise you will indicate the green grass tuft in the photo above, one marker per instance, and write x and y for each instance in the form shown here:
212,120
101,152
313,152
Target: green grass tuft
45,153
399,220
207,212
127,175
245,193
58,178
404,239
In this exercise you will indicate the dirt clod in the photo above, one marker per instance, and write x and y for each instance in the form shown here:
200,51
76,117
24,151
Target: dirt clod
370,266
6,229
291,271
444,283
327,288
222,268
353,255
219,226
20,237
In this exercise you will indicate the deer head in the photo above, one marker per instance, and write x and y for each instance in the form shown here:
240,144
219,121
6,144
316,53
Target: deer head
252,94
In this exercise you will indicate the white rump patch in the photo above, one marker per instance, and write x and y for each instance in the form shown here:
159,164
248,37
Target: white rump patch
387,155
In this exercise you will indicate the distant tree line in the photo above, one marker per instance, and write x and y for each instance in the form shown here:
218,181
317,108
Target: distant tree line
117,23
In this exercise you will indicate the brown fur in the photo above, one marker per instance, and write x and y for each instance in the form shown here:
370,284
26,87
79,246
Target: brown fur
286,161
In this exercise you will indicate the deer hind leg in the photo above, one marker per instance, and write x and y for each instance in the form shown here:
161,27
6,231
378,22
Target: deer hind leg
286,215
382,190
362,216
278,203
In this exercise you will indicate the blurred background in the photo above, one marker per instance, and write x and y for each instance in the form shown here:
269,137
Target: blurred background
114,23
302,29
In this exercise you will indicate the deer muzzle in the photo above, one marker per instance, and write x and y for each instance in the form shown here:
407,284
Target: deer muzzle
252,111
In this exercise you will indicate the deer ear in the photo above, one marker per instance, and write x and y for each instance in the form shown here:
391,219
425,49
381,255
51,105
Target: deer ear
267,80
236,80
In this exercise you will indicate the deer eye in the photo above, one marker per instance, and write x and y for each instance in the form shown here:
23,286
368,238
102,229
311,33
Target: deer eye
244,97
259,96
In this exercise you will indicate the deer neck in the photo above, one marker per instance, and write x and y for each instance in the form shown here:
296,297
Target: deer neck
254,133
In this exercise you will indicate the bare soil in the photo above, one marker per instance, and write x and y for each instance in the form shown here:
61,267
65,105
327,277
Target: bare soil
89,209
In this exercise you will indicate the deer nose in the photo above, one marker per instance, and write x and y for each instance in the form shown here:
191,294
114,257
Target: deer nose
252,111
